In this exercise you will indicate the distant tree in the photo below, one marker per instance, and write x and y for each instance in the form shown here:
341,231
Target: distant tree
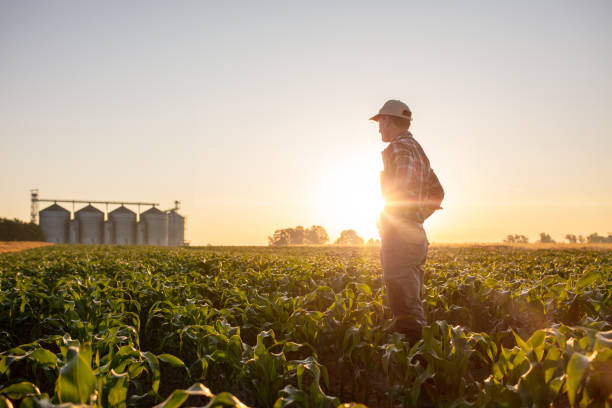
316,235
297,235
17,230
595,238
571,238
545,238
349,237
580,239
516,239
281,237
373,242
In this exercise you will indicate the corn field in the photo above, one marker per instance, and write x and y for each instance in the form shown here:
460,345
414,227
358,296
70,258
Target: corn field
108,326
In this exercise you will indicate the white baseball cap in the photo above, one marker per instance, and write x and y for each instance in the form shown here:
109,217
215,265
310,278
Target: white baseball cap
394,107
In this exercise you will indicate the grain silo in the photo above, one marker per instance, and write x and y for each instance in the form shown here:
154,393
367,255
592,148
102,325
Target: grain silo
91,225
54,223
156,226
121,227
124,225
176,229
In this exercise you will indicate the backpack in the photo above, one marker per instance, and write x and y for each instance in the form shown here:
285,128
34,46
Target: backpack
433,194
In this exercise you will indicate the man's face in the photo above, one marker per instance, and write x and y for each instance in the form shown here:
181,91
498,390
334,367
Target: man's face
383,128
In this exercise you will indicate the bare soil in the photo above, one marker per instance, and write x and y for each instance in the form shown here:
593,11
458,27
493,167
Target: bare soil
13,246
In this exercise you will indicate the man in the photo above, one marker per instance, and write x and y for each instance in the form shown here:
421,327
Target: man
404,185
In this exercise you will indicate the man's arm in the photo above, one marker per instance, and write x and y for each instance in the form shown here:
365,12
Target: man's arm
400,184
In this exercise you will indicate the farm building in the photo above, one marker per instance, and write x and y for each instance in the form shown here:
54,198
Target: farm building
123,222
176,228
155,226
54,224
90,223
121,226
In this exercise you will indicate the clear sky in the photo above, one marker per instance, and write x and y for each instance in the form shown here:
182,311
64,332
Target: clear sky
254,114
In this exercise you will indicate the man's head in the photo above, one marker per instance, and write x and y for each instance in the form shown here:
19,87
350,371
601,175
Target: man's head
393,118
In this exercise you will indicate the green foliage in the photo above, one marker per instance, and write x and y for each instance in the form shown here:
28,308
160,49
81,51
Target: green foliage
76,381
16,230
301,327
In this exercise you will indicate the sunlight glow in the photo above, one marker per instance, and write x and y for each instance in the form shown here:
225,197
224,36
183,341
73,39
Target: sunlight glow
350,199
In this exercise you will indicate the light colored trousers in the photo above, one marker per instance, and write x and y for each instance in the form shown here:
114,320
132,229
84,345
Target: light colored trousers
402,254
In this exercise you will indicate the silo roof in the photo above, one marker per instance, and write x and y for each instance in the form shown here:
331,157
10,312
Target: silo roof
153,210
122,209
89,208
55,207
173,213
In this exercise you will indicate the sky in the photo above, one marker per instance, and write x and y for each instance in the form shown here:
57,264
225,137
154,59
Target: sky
255,114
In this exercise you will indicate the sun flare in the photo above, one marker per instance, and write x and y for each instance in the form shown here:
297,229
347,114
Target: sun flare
350,198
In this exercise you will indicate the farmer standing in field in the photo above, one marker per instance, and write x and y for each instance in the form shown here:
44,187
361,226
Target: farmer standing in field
412,193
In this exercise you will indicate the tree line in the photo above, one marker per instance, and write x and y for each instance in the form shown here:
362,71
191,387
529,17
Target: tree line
545,238
315,235
16,230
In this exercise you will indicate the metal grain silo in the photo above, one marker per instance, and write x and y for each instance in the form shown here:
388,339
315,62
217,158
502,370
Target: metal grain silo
124,225
176,229
156,226
91,225
54,223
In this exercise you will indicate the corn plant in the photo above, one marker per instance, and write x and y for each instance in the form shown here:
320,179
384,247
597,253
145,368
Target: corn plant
108,326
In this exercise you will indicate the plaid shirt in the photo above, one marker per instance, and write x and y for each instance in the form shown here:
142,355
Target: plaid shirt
406,168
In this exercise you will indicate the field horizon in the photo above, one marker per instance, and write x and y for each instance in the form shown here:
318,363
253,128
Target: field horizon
12,246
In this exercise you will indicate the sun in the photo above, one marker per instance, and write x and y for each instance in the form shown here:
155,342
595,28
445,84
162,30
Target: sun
350,198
